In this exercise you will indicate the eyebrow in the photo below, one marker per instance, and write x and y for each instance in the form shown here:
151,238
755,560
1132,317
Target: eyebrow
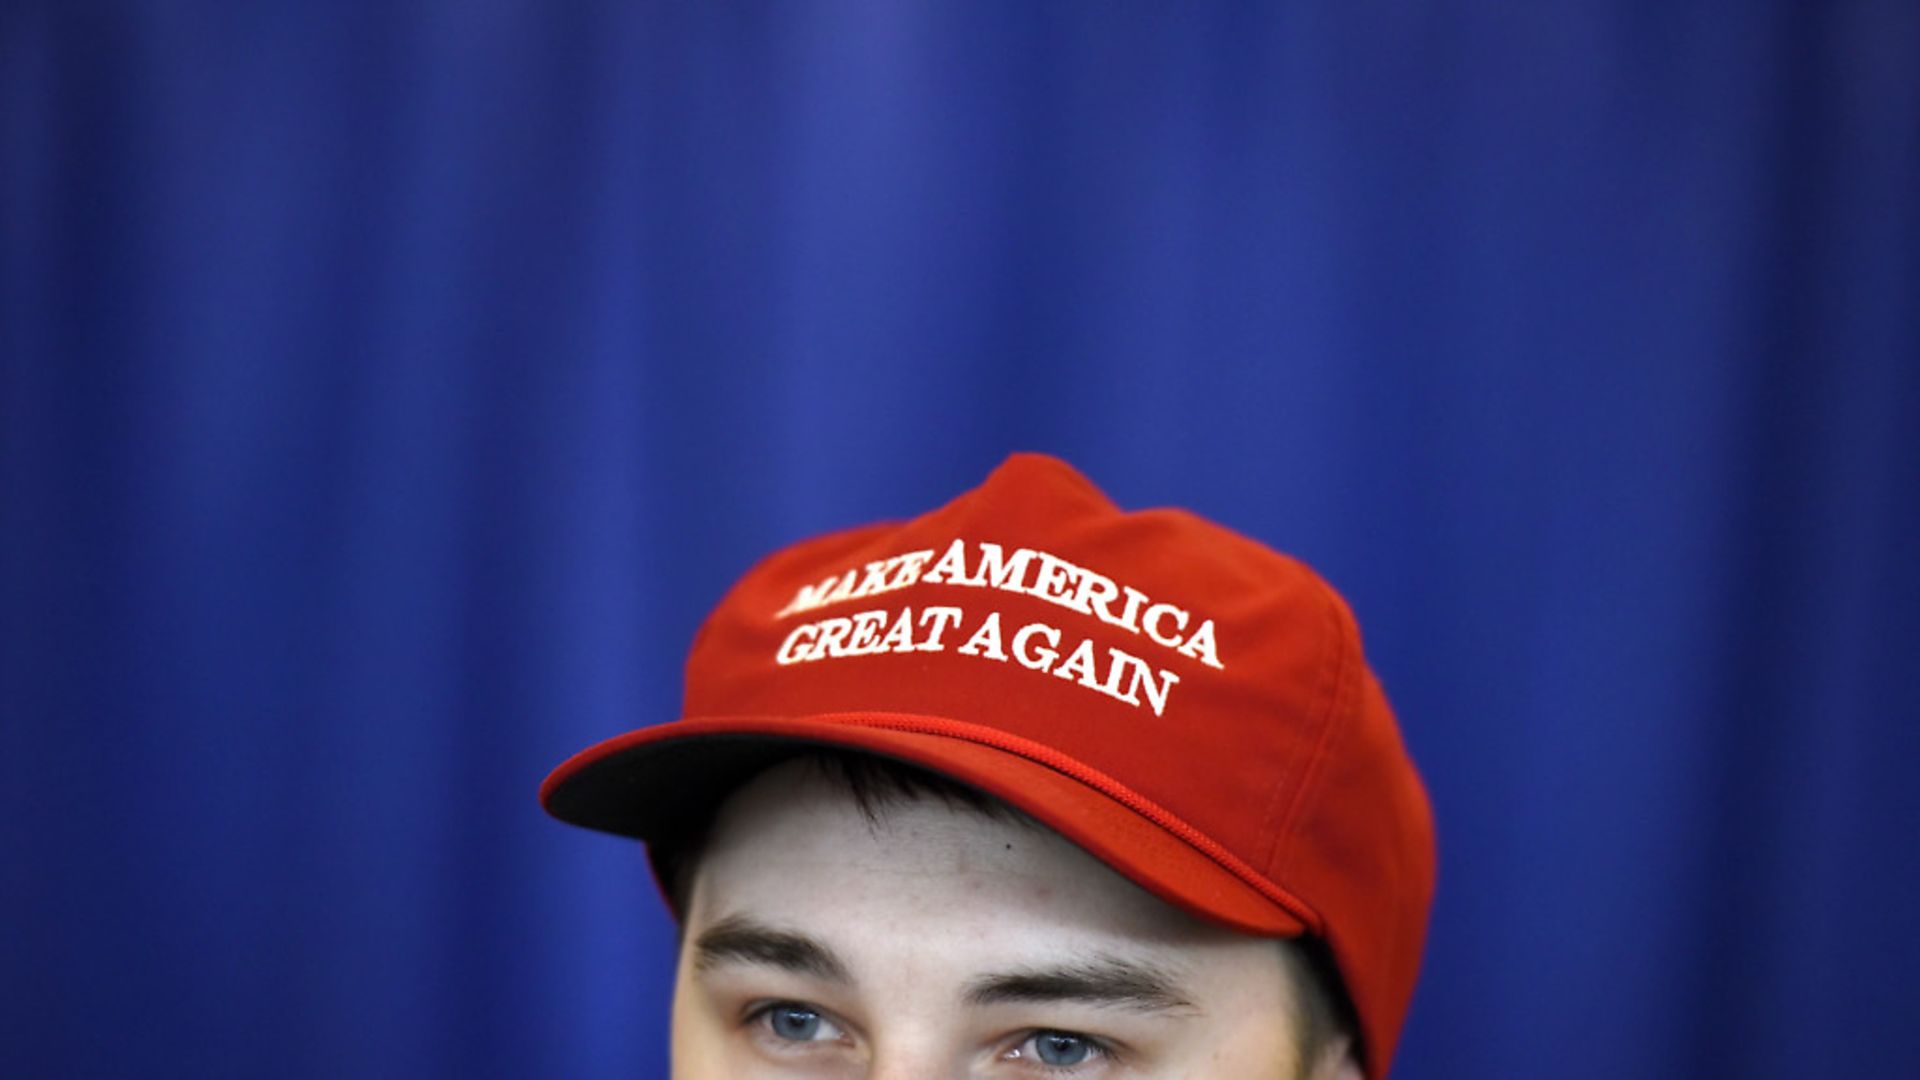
1103,980
737,939
1106,980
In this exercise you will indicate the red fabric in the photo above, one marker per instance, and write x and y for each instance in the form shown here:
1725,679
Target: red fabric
1271,793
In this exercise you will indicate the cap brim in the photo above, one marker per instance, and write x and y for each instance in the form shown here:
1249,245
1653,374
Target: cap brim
653,782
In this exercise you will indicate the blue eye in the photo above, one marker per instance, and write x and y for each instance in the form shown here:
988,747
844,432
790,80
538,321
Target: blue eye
793,1022
1061,1048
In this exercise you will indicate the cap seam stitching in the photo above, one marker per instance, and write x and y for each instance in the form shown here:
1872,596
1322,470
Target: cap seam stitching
1280,848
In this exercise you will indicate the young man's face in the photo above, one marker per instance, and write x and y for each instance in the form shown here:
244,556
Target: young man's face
939,942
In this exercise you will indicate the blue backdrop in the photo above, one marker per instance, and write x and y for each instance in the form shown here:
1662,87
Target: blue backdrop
387,390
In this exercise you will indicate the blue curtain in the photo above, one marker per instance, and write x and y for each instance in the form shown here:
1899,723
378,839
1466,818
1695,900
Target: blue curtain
387,390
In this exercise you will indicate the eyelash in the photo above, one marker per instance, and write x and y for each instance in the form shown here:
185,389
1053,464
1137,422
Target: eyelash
1103,1052
760,1016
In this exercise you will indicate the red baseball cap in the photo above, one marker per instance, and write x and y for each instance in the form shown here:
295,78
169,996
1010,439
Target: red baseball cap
1183,702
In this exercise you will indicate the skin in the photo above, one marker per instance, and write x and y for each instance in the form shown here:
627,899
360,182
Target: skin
938,942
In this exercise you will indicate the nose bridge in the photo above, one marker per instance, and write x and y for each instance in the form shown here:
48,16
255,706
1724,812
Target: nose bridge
915,1066
917,1052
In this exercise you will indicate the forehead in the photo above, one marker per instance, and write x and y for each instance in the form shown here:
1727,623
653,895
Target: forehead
796,846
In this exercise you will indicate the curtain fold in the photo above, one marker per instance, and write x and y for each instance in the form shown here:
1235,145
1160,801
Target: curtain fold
386,392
